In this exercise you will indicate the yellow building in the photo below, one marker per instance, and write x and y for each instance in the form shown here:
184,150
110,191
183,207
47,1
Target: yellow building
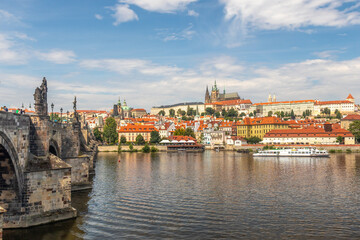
258,127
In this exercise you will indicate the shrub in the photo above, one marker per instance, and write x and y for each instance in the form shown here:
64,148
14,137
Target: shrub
131,147
339,151
119,148
348,150
146,148
154,149
332,151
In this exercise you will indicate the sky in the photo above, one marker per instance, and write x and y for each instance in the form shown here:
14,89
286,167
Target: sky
158,52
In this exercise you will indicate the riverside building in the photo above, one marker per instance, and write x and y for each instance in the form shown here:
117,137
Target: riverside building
326,135
258,127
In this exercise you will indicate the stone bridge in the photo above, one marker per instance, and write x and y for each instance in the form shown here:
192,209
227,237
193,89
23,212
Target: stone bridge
41,162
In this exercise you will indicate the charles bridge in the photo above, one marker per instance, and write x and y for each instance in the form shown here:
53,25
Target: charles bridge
41,162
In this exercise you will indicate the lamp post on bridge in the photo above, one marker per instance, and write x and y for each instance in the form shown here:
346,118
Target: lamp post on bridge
52,112
61,111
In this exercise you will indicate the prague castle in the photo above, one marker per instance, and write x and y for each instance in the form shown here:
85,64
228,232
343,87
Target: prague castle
217,97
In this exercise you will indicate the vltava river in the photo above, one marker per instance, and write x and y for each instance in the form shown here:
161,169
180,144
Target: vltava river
214,195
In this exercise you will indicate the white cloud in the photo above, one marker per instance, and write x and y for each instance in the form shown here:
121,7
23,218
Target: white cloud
193,13
123,14
291,14
172,35
310,79
269,14
57,56
6,17
162,6
98,17
9,54
328,53
127,66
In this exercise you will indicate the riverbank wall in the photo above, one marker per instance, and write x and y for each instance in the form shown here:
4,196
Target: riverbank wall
126,148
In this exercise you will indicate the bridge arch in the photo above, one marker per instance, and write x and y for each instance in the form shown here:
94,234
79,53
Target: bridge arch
54,148
8,152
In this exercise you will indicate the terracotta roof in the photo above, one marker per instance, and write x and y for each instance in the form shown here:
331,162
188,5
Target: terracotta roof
292,102
137,128
138,109
308,132
332,102
178,138
352,117
350,97
262,121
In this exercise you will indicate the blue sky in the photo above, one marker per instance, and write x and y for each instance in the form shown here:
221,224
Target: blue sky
166,51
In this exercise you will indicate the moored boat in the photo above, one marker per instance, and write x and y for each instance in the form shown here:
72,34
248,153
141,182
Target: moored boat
292,152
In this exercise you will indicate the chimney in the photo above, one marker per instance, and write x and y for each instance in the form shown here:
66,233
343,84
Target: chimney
328,127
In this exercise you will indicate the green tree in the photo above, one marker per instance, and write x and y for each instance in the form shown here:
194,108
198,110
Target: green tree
292,114
340,139
179,132
282,114
162,113
97,134
354,128
155,137
242,114
217,114
270,113
119,148
131,147
338,115
110,133
223,112
172,112
146,148
251,114
122,139
232,113
253,140
189,132
209,111
255,112
140,140
191,112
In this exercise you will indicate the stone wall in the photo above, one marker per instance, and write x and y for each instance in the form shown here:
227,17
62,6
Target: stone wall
126,148
80,167
39,135
46,196
2,211
15,131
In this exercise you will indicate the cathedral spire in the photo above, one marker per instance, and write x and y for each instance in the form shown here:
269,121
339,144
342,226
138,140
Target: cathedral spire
207,95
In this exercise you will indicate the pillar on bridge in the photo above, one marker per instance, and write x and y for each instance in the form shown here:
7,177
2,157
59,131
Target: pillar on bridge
2,211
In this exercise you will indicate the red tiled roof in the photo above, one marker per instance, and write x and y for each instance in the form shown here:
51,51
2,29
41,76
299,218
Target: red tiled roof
350,97
137,128
178,138
138,109
352,117
308,132
298,101
331,102
262,121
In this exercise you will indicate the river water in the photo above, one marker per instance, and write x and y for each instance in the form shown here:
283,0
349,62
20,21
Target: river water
213,195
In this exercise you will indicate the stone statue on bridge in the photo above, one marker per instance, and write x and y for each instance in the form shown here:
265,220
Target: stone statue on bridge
76,115
40,97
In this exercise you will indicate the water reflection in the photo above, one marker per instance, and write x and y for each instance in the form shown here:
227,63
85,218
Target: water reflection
214,195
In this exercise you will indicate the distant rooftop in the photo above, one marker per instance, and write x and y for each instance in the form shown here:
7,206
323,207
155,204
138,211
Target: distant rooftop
180,104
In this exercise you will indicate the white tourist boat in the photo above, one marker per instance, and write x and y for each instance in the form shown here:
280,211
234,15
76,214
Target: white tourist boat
292,152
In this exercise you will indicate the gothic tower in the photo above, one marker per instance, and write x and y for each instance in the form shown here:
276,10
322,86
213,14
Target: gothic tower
214,93
207,96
